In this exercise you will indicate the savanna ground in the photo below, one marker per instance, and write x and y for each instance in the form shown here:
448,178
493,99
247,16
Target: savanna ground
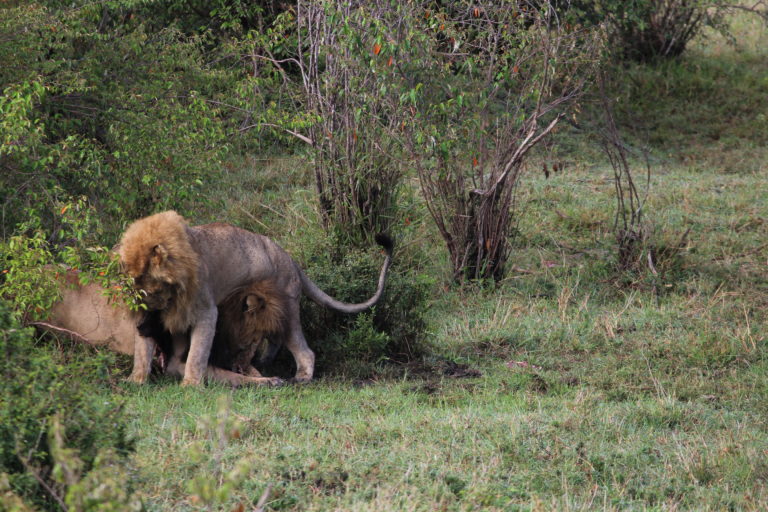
569,386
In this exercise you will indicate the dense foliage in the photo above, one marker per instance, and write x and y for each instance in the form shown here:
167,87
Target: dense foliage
646,30
97,102
392,331
44,390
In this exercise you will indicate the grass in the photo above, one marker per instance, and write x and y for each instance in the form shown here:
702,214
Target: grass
597,390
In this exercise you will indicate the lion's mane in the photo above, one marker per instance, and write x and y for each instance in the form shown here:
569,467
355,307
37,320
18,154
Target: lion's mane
158,247
245,318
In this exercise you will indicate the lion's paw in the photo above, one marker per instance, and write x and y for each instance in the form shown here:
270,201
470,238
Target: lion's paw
136,378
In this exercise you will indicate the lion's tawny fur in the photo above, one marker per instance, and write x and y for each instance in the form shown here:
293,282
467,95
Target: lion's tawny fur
162,238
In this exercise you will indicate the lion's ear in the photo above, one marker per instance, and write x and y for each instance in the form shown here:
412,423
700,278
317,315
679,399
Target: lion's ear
253,303
158,255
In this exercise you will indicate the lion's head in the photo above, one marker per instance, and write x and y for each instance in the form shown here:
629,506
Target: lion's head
155,251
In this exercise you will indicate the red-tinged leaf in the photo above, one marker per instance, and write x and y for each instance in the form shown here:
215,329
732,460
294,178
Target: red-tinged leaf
515,68
389,62
476,12
376,49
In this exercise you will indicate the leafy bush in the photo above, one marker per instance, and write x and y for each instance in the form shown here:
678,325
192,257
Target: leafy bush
350,89
392,330
484,83
37,383
74,123
33,259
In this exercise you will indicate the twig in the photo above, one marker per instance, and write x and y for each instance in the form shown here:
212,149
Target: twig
70,334
263,500
650,263
295,134
42,482
253,217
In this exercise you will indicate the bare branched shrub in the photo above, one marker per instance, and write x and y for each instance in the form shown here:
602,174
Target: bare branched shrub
629,228
487,82
663,28
346,75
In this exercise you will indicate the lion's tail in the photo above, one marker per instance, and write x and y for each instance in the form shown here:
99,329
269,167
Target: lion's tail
322,298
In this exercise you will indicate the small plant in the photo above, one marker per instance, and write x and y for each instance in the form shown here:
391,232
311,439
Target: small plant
631,233
213,487
104,488
47,390
392,330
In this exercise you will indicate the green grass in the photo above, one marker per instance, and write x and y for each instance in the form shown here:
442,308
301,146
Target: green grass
640,392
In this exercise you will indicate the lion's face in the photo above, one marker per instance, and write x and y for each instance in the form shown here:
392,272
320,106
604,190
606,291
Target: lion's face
157,294
156,253
153,278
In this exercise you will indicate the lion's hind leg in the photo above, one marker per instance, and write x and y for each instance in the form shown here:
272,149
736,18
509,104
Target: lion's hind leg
297,344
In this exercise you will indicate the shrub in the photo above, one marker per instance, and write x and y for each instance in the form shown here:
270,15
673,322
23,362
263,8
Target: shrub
392,331
645,30
37,383
348,84
484,84
74,123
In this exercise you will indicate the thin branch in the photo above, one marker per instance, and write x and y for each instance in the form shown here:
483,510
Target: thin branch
295,134
61,330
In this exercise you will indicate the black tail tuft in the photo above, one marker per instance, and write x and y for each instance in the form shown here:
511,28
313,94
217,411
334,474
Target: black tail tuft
385,241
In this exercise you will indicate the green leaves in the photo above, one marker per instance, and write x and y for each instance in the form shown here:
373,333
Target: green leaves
56,391
20,130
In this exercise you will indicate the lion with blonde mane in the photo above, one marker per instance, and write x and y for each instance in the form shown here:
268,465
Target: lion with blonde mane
184,272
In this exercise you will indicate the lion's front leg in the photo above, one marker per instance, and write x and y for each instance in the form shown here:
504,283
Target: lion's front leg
200,347
143,350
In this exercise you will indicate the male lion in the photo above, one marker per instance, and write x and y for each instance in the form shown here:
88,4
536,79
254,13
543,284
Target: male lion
184,272
84,313
246,318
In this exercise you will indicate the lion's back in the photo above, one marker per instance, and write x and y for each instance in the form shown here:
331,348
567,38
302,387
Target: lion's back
86,311
235,256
